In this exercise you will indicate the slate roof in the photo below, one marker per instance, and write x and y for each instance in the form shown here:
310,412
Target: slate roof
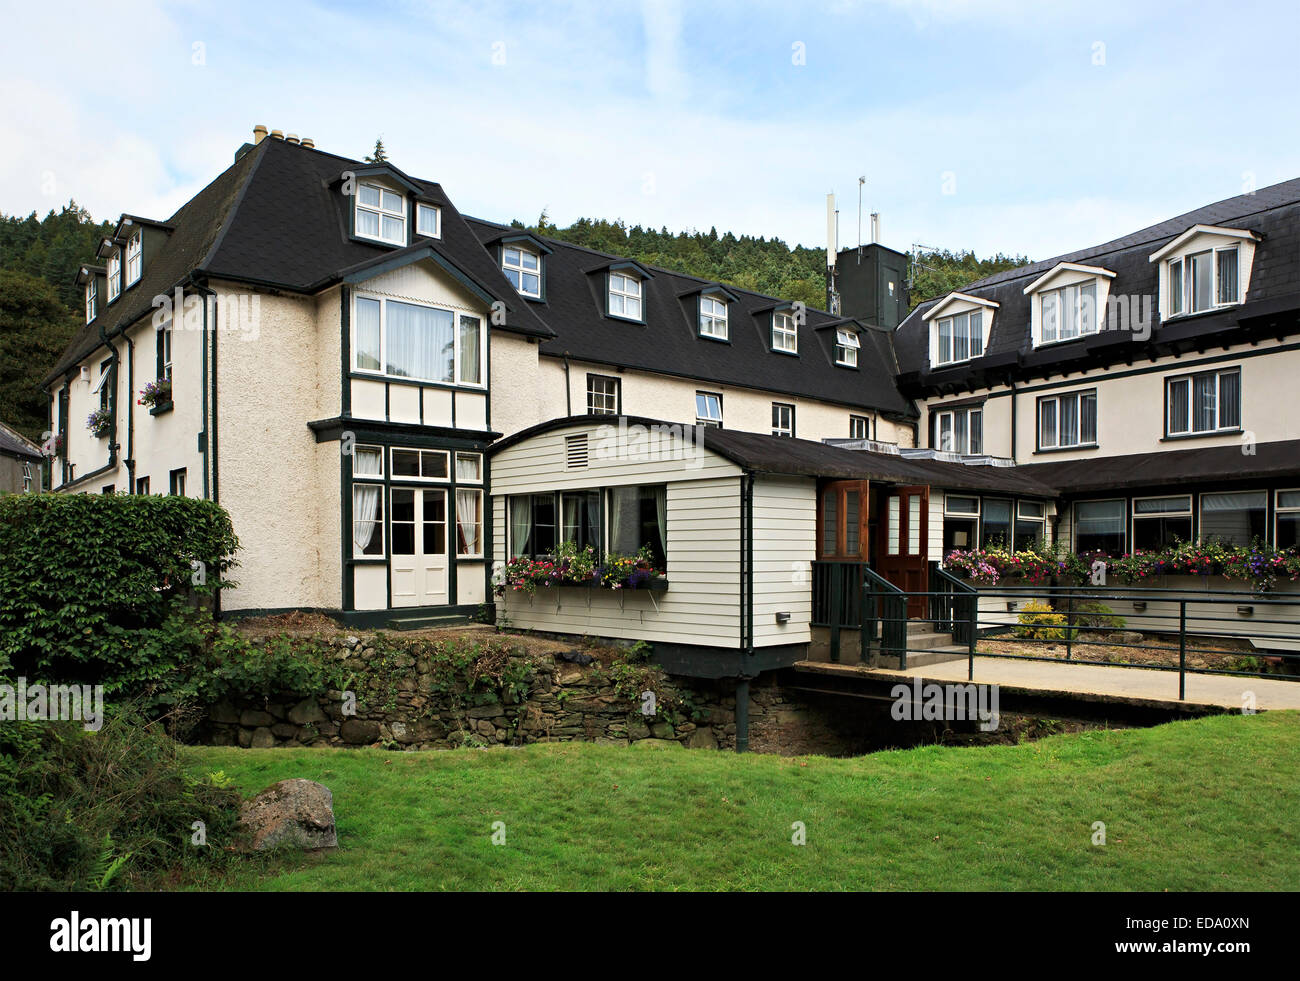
1274,212
277,218
763,453
14,443
670,341
1169,468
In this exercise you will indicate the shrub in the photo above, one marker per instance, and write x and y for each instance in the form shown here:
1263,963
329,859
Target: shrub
103,810
1096,615
85,577
1038,621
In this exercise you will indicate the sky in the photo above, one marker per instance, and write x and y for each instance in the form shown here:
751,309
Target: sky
1027,128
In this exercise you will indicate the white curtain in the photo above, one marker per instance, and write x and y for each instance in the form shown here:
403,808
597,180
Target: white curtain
521,524
367,334
420,342
467,468
617,501
571,510
469,344
368,461
365,504
468,506
661,513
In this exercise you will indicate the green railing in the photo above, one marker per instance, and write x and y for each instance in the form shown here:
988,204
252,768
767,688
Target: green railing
954,605
884,608
850,596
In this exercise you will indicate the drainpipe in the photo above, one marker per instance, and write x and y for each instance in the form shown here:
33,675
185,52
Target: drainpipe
207,436
130,410
1014,400
568,392
113,445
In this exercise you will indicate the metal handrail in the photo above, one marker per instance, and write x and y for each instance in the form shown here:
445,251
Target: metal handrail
888,609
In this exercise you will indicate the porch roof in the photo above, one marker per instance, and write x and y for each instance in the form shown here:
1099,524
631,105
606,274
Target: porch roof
1169,467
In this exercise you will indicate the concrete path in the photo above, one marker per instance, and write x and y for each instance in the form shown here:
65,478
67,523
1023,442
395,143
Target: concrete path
1127,683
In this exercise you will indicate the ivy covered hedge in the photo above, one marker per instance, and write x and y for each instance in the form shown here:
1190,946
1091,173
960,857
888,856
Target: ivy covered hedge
88,580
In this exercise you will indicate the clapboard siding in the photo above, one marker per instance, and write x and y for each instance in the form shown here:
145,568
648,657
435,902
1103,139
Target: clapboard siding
785,531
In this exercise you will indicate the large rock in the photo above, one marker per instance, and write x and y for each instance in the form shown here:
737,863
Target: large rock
306,711
359,732
252,718
292,813
702,739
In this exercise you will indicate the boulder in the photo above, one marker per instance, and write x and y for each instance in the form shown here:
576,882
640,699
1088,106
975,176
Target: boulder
262,738
306,711
358,732
292,813
701,739
252,718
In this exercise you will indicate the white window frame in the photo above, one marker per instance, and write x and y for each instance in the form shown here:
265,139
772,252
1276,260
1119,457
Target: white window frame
92,299
480,524
1058,442
478,465
457,353
629,289
951,415
113,272
1269,533
383,462
395,477
166,331
710,399
1181,301
134,257
866,426
521,270
1058,295
1190,379
422,210
713,318
783,419
973,330
847,346
952,512
27,476
1280,509
1135,517
592,394
380,212
785,332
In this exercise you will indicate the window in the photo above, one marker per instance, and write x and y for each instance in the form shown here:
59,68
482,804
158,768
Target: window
580,518
533,525
428,220
1240,517
638,516
782,419
92,299
1159,522
785,336
28,476
105,386
708,409
114,274
417,464
603,395
1100,526
997,524
469,468
524,270
1069,312
142,485
859,427
713,318
163,342
106,489
1204,403
469,522
961,518
134,258
624,296
1288,519
1031,524
959,431
408,340
1067,420
381,214
176,482
368,461
846,348
961,337
1204,280
368,520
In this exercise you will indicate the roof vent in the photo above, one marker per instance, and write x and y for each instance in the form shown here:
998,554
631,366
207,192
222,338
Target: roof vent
575,452
308,142
259,134
291,138
277,134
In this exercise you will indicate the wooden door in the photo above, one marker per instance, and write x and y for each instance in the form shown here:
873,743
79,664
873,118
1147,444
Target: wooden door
842,512
903,545
418,533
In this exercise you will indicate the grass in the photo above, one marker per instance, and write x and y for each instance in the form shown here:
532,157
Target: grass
1200,805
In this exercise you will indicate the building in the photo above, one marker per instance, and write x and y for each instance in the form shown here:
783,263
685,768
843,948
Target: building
22,466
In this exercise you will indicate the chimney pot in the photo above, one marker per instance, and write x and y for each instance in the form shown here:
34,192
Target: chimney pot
291,138
259,134
277,134
308,142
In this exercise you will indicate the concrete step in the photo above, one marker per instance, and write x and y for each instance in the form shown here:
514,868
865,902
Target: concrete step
927,641
426,623
934,655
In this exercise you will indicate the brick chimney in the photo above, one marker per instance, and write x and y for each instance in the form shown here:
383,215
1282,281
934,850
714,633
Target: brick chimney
259,134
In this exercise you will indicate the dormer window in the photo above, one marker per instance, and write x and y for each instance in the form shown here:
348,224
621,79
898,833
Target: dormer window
1069,312
961,337
92,299
428,220
784,336
624,296
524,270
114,275
713,318
134,258
381,214
846,348
1205,268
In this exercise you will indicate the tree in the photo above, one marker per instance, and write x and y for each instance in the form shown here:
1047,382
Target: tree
35,327
378,156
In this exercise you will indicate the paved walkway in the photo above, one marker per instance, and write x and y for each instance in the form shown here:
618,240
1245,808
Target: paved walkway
1091,679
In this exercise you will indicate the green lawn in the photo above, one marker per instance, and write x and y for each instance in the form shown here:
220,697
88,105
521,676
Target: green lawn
1208,804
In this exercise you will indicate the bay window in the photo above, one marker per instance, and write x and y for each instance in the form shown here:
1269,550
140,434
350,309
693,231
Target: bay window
961,337
533,525
367,501
1203,403
1067,420
423,343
